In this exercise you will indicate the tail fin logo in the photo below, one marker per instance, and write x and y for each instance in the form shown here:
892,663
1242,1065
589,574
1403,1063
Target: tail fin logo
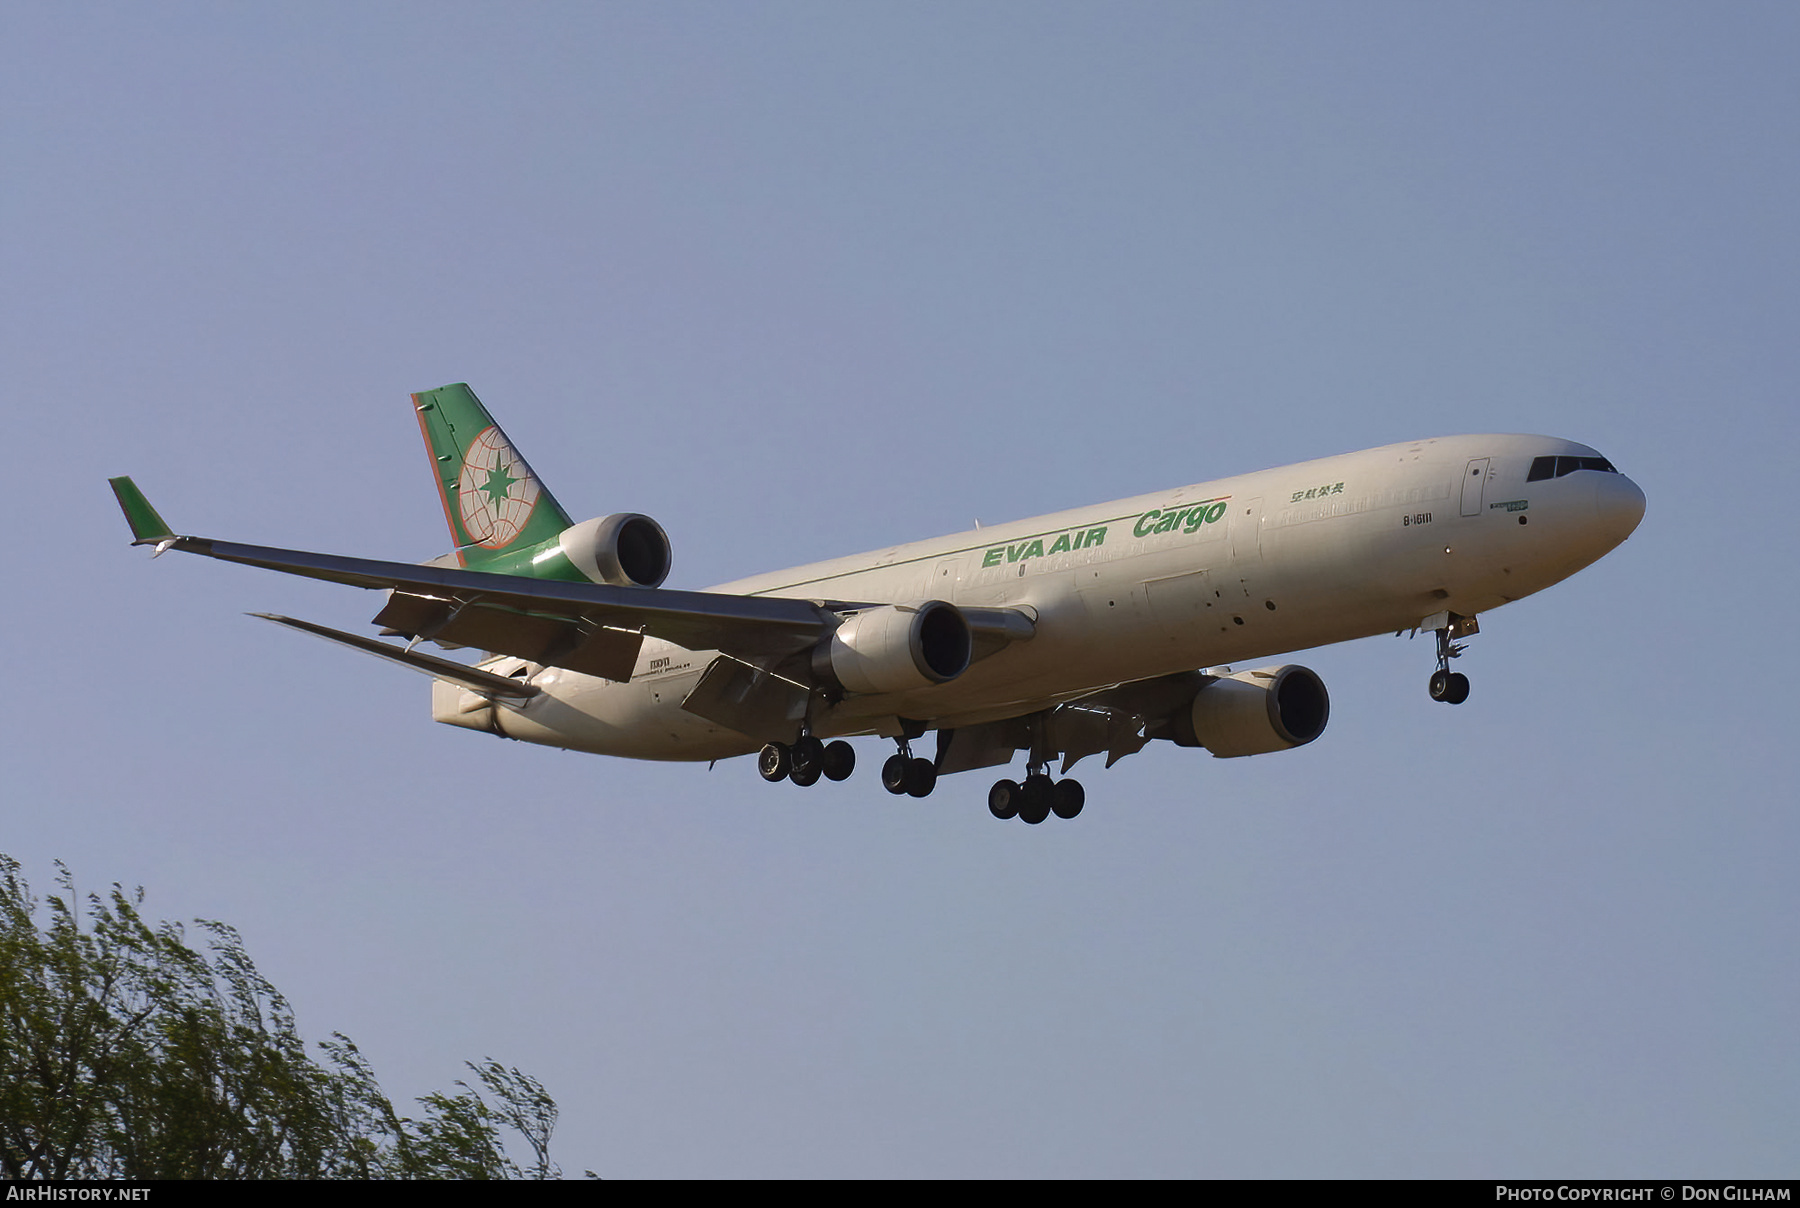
497,491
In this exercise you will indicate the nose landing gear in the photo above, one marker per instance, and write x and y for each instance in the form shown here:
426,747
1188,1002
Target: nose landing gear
1451,687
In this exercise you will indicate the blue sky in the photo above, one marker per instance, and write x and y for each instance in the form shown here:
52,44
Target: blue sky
805,279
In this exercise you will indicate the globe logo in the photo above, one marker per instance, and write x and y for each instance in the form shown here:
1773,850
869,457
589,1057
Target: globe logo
497,491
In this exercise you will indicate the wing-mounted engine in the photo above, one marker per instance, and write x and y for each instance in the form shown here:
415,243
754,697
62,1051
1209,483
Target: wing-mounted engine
895,648
875,648
1255,712
1230,714
625,549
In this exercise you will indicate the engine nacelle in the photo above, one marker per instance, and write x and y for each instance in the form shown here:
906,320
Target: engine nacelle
1255,712
624,549
896,647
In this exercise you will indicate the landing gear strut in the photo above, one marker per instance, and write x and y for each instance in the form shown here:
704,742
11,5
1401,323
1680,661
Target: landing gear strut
1451,687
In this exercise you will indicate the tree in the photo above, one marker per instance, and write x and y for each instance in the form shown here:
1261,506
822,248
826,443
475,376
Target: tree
127,1054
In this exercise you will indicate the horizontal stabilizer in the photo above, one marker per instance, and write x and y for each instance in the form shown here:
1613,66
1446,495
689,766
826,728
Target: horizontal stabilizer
438,668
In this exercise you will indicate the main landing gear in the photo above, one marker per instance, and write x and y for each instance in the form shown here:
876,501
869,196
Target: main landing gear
806,761
1451,687
1037,798
904,773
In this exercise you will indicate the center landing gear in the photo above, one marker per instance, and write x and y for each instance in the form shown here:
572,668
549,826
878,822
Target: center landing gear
1037,798
1451,687
806,761
904,773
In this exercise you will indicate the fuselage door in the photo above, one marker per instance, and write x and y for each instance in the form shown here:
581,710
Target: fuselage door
1246,531
944,580
1474,486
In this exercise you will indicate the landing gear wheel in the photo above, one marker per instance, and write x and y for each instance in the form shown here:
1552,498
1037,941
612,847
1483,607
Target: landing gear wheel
774,763
893,774
1067,797
809,761
1003,799
1459,688
921,777
839,760
1440,685
1034,798
1451,687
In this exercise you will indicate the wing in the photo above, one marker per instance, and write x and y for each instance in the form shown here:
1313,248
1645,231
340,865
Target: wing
592,628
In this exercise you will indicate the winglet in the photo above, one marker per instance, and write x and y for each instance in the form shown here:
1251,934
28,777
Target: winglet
147,528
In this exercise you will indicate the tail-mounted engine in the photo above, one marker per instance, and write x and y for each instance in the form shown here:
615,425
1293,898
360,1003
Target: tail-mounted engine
1255,712
624,549
895,648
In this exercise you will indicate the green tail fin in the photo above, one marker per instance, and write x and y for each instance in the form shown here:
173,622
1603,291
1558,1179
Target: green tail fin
492,501
147,528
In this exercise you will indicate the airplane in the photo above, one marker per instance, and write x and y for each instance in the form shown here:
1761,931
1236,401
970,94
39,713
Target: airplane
1090,631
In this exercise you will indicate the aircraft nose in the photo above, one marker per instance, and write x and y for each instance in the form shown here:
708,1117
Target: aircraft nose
1619,503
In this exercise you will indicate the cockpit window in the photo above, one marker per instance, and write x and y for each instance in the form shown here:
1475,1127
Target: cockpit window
1556,467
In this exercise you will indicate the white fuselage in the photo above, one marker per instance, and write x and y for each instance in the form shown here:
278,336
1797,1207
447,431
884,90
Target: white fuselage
1240,568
